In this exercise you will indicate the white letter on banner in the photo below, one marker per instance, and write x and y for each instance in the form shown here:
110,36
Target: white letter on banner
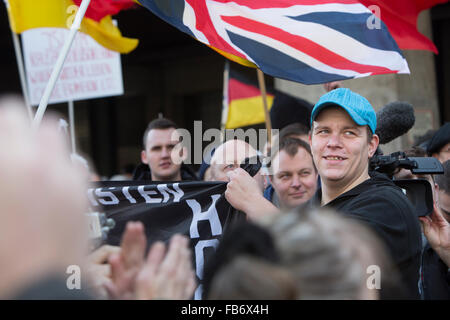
146,195
177,193
92,198
211,215
200,261
108,194
128,195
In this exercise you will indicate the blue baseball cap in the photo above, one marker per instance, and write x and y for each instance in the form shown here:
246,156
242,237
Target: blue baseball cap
359,109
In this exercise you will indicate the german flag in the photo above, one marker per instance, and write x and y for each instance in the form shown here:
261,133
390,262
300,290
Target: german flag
98,23
244,101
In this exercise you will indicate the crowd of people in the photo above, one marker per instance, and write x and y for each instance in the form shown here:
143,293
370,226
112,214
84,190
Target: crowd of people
320,224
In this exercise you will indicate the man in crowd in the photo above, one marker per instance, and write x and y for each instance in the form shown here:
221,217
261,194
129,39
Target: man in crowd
161,160
228,156
435,279
294,180
436,227
439,145
342,141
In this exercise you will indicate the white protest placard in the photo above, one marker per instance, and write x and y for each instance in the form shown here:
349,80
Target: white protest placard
90,70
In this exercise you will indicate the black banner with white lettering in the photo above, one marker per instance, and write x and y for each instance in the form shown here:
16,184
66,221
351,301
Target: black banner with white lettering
198,210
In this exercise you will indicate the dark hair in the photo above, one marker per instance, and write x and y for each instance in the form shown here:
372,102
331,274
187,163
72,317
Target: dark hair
291,146
424,139
161,124
300,254
241,238
292,129
443,180
416,152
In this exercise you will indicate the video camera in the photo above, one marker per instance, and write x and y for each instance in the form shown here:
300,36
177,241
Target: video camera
418,191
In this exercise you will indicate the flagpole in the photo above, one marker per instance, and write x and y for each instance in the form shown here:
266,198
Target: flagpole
23,83
225,106
59,63
19,59
72,126
262,87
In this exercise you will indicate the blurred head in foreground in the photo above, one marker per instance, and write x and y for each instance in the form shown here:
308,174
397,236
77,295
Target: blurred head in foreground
309,255
42,202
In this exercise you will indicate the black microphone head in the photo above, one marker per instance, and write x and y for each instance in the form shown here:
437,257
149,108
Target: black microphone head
394,120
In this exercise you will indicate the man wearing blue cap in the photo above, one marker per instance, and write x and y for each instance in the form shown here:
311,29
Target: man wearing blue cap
342,140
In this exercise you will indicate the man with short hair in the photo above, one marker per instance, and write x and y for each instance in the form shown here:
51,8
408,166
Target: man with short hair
342,141
295,130
294,177
161,156
439,145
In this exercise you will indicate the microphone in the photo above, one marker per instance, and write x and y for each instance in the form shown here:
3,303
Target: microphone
394,120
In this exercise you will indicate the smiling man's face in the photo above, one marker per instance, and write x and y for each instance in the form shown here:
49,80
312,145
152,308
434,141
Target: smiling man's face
340,147
295,179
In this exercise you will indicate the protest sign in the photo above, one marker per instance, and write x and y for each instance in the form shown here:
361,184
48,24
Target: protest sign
90,70
197,210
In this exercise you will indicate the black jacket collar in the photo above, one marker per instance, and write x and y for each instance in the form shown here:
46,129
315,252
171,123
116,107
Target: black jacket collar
376,178
142,172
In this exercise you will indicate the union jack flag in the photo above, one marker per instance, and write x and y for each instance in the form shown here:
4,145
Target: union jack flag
307,41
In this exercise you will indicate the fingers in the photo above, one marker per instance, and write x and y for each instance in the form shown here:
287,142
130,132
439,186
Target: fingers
426,224
181,271
111,290
236,172
185,275
117,268
170,276
177,245
117,271
133,245
102,254
437,217
99,275
146,280
103,270
332,85
190,286
155,258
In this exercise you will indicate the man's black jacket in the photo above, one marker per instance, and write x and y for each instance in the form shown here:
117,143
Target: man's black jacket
381,205
435,276
142,172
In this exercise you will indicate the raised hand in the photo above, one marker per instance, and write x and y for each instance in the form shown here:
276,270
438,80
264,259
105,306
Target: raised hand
167,276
